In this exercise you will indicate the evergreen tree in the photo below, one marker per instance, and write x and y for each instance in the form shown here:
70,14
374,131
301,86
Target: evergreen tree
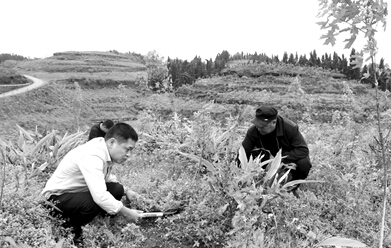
8,56
323,62
381,64
275,59
354,73
209,67
383,77
343,67
285,58
303,61
336,60
291,59
313,61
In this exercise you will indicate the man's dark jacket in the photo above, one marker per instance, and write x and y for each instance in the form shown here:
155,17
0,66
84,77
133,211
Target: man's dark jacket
96,132
288,138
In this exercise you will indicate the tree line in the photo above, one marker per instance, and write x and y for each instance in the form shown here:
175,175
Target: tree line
8,56
183,72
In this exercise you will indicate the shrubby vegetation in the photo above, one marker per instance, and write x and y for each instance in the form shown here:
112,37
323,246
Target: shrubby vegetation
220,208
183,72
8,56
186,159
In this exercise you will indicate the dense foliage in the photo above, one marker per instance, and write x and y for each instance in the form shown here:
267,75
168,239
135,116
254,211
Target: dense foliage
169,168
183,72
8,56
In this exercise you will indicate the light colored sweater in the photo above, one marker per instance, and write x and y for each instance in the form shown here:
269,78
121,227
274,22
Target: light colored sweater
85,168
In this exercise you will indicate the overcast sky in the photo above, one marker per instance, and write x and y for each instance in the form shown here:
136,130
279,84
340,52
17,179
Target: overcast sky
176,28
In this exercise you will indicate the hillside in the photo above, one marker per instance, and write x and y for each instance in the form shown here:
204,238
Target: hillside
10,80
98,85
68,73
105,85
78,66
300,93
211,117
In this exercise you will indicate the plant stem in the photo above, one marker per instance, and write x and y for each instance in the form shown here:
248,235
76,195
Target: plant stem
3,177
384,160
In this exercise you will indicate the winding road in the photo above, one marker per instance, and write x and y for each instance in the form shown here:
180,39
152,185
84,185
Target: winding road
36,84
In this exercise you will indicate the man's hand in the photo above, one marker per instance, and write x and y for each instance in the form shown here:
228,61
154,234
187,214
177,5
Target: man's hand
142,202
132,195
131,215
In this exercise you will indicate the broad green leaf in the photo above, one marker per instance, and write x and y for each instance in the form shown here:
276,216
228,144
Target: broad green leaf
11,241
330,39
195,158
60,243
55,149
322,24
354,30
43,166
350,41
341,15
223,208
21,141
344,30
67,138
3,143
292,183
284,176
276,164
42,142
336,241
25,133
2,152
71,139
243,157
225,134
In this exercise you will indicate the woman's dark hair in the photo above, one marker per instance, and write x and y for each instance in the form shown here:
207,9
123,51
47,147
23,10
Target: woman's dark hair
108,124
122,132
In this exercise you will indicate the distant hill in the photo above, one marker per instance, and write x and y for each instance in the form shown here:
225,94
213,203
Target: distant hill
90,86
79,62
83,67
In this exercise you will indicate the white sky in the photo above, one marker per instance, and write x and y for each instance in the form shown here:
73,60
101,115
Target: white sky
176,28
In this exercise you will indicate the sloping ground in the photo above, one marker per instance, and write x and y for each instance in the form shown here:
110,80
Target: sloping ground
256,70
64,107
76,99
90,62
82,67
13,83
317,94
10,80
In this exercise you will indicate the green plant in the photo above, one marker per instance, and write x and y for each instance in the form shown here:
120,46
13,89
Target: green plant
3,147
360,16
157,72
78,102
335,241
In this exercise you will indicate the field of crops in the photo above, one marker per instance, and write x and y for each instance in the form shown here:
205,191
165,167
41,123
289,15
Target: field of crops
184,132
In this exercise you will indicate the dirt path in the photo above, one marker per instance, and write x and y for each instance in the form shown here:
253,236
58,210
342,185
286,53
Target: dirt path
36,84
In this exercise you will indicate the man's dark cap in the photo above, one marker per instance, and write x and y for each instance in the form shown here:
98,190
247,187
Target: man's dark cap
265,114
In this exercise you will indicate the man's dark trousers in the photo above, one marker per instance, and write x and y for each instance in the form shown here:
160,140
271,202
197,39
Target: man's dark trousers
80,208
302,169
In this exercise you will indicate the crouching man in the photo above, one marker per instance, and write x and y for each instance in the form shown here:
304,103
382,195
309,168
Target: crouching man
82,186
271,132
